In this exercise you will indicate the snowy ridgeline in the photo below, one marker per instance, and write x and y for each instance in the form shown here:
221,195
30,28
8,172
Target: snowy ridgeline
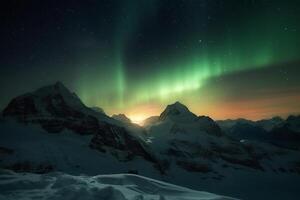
106,187
51,130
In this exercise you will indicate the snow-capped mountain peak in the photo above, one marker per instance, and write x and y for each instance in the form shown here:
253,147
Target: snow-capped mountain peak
59,90
177,112
49,101
55,108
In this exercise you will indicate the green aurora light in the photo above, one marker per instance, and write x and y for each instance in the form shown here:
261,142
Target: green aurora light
123,55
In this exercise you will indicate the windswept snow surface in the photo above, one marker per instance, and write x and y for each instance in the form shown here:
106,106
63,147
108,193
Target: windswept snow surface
66,151
105,187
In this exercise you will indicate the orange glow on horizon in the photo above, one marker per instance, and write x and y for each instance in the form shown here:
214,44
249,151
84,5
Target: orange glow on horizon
141,112
253,109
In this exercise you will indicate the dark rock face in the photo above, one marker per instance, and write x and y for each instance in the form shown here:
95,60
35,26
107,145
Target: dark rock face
84,126
25,106
194,167
210,126
52,125
122,118
177,111
21,107
118,138
171,112
59,115
123,145
55,108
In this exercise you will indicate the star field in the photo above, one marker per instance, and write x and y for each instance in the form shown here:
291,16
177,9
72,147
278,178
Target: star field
226,59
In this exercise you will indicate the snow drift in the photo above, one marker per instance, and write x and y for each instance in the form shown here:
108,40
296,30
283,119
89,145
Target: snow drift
106,187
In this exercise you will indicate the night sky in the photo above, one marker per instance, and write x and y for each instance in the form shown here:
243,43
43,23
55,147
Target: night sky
222,58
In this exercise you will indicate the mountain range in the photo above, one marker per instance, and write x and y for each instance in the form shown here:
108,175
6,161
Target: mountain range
51,129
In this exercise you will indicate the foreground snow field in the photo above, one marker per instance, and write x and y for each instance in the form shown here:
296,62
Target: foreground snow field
106,187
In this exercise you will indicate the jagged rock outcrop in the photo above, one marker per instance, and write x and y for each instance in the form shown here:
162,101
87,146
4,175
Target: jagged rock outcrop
177,112
118,138
210,126
122,118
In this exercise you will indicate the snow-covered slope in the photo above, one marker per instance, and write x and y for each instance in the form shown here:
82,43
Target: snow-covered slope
177,112
62,186
56,109
196,153
195,144
178,147
31,148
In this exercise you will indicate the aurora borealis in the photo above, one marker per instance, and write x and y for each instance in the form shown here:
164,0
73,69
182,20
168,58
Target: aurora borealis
225,59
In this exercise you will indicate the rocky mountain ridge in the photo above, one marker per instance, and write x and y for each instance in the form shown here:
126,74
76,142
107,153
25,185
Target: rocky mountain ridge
178,133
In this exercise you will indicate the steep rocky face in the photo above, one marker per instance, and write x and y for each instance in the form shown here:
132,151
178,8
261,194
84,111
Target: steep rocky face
122,118
177,112
50,101
121,144
55,108
210,126
21,107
